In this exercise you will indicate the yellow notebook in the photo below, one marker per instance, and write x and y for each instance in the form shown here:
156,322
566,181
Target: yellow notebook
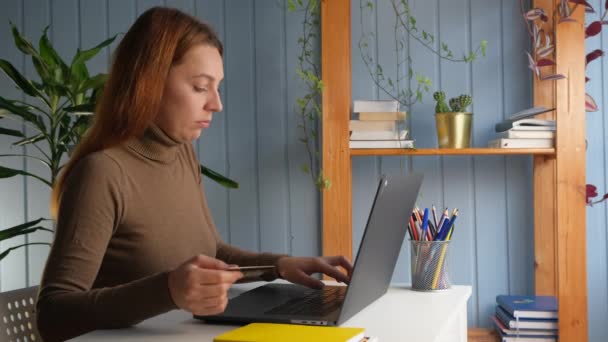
271,332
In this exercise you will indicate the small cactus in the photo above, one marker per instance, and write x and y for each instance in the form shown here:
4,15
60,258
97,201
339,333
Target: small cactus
460,103
441,106
465,101
455,104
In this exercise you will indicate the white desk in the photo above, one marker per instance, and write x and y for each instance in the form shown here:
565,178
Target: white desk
400,315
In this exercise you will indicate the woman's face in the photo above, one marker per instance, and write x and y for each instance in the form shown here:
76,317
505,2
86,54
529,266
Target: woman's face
191,96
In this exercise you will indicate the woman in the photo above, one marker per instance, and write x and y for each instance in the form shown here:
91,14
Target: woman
135,237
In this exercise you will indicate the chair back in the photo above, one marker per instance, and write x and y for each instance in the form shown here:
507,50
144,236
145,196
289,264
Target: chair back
18,315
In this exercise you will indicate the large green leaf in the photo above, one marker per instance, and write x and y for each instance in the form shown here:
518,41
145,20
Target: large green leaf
80,126
227,182
11,132
6,172
6,252
83,108
79,73
43,71
17,233
94,82
23,112
78,69
84,55
19,80
22,44
30,140
49,55
10,232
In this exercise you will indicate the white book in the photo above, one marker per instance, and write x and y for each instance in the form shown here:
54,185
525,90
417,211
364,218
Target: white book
526,124
521,143
375,116
525,338
385,125
375,106
524,134
501,328
381,143
378,135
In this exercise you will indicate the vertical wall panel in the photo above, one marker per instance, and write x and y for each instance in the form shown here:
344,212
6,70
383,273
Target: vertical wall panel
13,268
272,142
365,170
388,57
597,278
38,16
212,145
517,94
142,5
121,13
304,226
184,5
242,120
422,114
458,171
94,30
490,215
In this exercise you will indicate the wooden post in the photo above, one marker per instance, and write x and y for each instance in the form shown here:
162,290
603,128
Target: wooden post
570,179
336,75
560,213
545,263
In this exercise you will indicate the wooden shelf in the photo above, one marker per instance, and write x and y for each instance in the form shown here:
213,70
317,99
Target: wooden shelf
449,151
559,245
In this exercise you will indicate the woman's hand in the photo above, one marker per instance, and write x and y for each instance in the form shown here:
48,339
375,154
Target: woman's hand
298,269
201,284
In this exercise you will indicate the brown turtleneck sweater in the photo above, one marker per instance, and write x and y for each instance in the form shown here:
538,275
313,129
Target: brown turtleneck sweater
128,215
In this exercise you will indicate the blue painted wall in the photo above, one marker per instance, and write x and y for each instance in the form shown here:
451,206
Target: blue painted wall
597,153
255,139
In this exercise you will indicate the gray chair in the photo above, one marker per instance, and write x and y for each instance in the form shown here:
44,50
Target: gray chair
18,316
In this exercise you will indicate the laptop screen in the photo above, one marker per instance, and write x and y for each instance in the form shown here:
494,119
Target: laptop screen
382,239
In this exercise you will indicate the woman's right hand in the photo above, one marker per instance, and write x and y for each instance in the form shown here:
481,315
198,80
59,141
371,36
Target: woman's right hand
200,285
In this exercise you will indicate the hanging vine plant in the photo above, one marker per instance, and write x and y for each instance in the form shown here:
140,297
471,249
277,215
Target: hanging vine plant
406,27
308,106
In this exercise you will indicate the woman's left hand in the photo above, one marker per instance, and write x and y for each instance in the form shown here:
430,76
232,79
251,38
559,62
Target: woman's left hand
298,269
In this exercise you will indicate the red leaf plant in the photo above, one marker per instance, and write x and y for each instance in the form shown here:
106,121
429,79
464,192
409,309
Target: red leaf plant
543,49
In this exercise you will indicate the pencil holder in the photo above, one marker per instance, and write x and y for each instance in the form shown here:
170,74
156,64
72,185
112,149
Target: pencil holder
429,265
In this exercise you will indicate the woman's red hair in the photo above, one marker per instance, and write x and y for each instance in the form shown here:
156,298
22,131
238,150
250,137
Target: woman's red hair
131,98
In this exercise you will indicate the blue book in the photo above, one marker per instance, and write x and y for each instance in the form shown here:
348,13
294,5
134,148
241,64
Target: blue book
529,306
524,323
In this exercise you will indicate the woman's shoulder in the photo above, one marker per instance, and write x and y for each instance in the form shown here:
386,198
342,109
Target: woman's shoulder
100,164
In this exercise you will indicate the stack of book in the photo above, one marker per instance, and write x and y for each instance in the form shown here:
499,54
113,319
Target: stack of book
522,131
526,318
380,124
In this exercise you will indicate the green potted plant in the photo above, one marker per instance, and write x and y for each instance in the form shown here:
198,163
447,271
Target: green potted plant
453,122
55,115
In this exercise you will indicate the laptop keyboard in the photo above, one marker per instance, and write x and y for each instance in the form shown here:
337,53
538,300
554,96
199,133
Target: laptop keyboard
314,303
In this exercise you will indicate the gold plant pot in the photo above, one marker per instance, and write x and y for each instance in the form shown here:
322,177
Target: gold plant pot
454,129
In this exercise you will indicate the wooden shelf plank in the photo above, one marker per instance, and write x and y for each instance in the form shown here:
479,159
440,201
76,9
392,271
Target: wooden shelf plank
449,151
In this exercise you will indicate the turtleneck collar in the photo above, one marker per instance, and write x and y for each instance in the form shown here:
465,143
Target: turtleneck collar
156,145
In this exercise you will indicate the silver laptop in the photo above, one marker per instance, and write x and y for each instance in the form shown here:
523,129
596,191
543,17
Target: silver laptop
374,265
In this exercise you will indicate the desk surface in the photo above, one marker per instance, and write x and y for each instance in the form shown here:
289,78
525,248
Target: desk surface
400,315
